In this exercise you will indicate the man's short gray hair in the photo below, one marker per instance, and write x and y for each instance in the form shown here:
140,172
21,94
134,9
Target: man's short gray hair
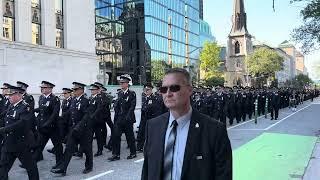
181,71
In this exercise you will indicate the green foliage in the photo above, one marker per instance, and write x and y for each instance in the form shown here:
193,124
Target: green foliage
214,81
158,70
210,60
308,34
264,61
299,82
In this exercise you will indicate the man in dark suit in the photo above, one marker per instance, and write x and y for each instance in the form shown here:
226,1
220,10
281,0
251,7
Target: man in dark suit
17,136
124,119
183,143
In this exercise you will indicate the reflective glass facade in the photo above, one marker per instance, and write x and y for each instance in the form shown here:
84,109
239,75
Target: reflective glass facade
8,19
59,23
144,38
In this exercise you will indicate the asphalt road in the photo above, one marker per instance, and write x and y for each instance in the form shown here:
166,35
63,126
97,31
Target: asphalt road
304,121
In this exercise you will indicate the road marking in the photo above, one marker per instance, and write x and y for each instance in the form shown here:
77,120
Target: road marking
243,123
247,129
100,175
140,160
285,118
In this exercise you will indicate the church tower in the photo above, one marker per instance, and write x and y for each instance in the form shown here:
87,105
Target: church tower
238,47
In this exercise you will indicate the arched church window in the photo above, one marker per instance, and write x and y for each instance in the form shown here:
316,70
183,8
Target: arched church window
237,47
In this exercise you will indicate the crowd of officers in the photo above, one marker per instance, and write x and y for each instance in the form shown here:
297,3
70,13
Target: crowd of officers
242,103
75,121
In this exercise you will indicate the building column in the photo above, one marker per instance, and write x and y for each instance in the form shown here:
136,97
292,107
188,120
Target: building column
23,21
48,23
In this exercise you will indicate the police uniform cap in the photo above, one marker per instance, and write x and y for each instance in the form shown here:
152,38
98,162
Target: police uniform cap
22,85
14,90
103,88
98,84
219,86
47,84
125,78
5,86
77,85
66,90
149,85
94,87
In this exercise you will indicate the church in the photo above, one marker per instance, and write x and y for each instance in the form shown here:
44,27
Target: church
238,47
241,43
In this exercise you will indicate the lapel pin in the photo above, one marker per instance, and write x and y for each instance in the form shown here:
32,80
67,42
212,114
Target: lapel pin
197,125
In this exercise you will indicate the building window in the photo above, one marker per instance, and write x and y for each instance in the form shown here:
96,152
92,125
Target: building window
237,48
8,20
36,21
59,23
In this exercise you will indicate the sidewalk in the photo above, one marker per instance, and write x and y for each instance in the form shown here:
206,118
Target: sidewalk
313,170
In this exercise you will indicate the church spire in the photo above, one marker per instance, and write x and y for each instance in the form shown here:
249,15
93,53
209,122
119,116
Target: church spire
239,19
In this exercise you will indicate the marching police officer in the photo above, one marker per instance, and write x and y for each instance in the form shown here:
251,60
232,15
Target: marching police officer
149,110
275,104
97,112
27,98
124,119
48,114
107,100
218,102
64,119
17,137
80,132
4,104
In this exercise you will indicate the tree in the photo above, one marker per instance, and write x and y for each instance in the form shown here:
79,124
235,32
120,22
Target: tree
210,62
159,68
300,81
308,34
263,63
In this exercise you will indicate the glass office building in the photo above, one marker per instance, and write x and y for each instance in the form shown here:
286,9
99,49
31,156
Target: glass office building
144,38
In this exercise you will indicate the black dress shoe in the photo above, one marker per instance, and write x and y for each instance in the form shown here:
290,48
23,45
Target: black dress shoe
52,151
140,151
86,171
78,154
99,153
114,158
59,171
131,156
271,118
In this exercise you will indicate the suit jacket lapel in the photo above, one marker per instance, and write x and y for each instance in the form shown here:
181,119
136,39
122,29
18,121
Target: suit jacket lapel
162,130
193,134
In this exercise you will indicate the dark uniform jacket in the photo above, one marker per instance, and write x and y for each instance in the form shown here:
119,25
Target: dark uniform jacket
16,131
49,108
150,107
96,109
125,106
28,99
65,107
78,109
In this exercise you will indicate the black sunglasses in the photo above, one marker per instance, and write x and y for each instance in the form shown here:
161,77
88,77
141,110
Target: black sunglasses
172,88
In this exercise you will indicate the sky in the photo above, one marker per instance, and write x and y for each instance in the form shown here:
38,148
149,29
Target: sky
268,26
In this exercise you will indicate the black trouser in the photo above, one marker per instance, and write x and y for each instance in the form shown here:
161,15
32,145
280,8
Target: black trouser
127,129
111,126
63,128
99,129
274,111
85,141
56,141
220,116
261,108
141,133
25,157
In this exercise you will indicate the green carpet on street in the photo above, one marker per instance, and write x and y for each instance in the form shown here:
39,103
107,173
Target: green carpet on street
273,157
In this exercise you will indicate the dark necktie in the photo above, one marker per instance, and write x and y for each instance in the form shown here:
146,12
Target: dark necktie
168,154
